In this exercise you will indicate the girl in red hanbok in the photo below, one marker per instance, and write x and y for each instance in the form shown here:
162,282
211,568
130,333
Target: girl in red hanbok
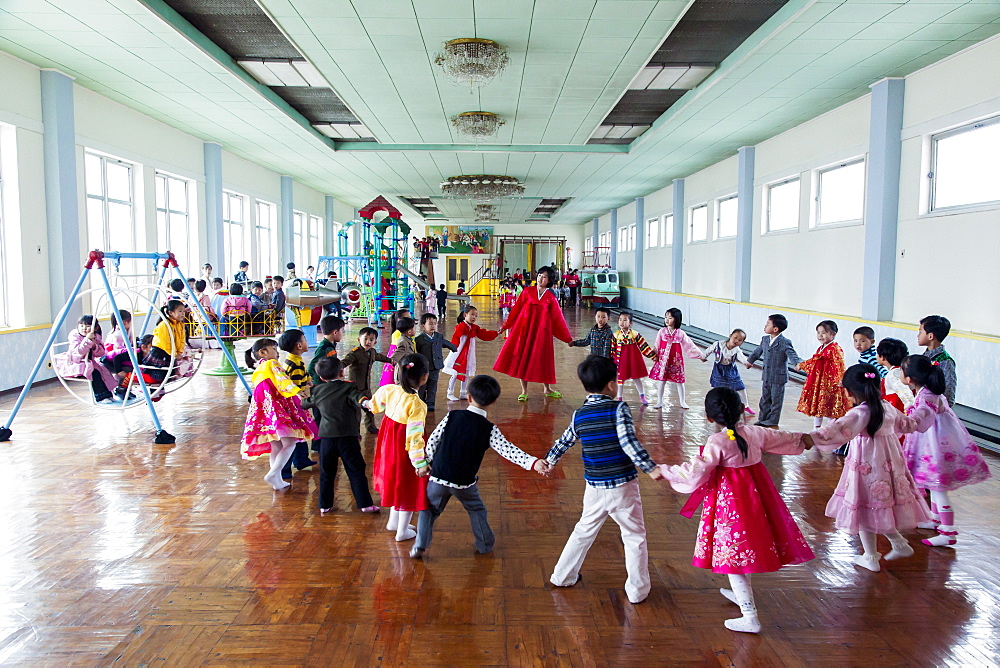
461,363
528,354
822,395
745,525
627,350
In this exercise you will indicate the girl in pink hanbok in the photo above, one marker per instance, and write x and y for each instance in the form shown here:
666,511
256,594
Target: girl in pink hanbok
745,526
82,359
276,421
944,457
672,345
876,493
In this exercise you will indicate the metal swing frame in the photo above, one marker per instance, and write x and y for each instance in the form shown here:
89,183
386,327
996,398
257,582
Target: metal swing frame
95,261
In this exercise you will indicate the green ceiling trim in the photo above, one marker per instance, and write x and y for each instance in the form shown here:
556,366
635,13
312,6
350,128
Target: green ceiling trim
485,148
172,18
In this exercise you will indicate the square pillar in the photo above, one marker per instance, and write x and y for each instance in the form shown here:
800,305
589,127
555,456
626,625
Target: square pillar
885,145
744,223
286,226
62,205
329,243
614,239
640,239
677,250
215,232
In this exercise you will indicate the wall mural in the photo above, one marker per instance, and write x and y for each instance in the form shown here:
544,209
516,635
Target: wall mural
462,238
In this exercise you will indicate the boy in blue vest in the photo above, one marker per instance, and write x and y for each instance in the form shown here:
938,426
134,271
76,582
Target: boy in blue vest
455,452
611,453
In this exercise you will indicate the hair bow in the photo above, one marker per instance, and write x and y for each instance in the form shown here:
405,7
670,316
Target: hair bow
731,434
869,375
410,365
936,363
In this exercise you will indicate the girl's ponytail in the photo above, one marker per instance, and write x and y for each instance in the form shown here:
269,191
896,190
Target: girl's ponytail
925,373
862,381
258,345
724,407
251,359
126,316
411,369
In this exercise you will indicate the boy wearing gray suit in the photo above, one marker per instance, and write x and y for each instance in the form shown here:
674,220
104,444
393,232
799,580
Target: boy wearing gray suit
776,353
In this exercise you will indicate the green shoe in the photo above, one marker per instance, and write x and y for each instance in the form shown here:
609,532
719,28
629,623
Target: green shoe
555,394
522,397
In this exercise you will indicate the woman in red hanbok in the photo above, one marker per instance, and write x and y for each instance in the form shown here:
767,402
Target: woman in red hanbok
528,354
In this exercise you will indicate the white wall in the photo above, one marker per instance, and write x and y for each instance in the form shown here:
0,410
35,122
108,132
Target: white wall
707,269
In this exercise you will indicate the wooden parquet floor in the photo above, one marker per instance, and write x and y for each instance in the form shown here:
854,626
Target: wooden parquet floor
118,551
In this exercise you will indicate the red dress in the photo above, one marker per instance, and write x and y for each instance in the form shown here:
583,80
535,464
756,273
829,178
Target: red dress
628,348
392,472
822,395
462,363
529,354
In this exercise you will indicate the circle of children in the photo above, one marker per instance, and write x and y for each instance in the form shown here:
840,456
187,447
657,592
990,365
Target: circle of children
901,433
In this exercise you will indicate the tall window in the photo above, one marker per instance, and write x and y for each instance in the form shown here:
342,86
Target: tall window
588,245
726,217
337,227
698,230
668,229
315,239
110,199
173,221
631,237
783,205
604,240
653,232
840,197
965,165
233,217
622,239
265,238
300,241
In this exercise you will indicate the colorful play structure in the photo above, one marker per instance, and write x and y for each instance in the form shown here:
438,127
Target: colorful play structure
103,303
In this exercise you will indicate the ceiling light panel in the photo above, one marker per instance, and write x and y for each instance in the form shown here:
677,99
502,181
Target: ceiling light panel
286,72
309,72
667,78
694,76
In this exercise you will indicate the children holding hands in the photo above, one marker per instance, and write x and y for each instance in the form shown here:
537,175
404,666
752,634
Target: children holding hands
600,336
775,353
822,396
627,350
430,344
359,362
454,452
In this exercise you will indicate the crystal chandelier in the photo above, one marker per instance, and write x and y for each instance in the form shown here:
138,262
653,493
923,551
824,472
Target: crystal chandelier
482,187
485,213
477,124
472,61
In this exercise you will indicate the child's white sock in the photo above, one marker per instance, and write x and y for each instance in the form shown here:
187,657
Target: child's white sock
403,530
870,558
744,398
281,452
817,422
451,389
900,547
743,596
393,520
680,395
660,386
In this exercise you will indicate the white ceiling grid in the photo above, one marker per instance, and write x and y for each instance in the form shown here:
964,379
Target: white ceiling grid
571,60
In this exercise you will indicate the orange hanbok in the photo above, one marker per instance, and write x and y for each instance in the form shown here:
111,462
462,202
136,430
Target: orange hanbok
823,395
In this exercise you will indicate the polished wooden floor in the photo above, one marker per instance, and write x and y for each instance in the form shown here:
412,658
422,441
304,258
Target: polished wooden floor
119,551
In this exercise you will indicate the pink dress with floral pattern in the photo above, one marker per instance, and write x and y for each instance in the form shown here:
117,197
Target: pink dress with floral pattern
275,412
944,457
876,492
745,524
671,349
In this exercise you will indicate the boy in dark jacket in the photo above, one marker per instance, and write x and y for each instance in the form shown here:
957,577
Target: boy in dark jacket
429,343
359,363
339,405
333,331
455,452
442,299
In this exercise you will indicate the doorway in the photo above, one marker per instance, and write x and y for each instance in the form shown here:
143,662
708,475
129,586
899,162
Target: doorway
458,270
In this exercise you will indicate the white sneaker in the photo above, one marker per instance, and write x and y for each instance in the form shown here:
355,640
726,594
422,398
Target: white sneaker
452,397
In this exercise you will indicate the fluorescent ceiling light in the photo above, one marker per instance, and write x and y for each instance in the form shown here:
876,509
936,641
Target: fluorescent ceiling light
284,70
601,132
260,72
667,77
309,72
694,76
644,78
635,131
347,131
328,129
362,130
617,131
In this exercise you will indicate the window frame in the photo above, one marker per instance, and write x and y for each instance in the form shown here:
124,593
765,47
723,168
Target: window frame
4,302
818,199
167,210
653,232
690,230
766,227
932,172
718,217
268,242
227,224
667,230
300,236
315,237
110,241
631,237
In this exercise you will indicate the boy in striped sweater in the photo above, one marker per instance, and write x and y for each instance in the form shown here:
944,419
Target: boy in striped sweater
293,342
611,453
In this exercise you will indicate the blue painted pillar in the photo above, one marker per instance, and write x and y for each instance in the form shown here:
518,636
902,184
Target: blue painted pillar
62,208
677,249
286,225
744,223
329,243
614,238
640,238
878,291
597,235
215,232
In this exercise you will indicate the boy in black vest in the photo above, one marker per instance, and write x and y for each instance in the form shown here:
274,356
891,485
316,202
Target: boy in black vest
455,452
